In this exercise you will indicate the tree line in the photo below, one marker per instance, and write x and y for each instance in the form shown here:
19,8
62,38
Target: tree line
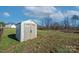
68,23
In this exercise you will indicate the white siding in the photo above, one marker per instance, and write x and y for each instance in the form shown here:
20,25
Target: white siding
26,30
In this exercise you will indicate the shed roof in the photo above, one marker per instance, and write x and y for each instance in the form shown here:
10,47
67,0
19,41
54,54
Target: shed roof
28,22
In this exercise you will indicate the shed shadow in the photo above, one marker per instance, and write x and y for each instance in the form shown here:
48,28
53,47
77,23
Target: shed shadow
13,36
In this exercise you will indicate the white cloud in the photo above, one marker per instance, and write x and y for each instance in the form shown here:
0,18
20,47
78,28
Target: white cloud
44,11
51,11
6,14
58,15
41,9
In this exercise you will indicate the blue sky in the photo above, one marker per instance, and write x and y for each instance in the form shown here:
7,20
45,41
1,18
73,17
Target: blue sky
15,14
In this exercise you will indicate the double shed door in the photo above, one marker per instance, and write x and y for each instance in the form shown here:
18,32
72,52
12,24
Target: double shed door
29,30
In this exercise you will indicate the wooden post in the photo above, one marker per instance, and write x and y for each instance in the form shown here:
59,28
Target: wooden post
1,31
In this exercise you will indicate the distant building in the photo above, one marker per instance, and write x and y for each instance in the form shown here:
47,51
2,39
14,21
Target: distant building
13,26
10,26
7,25
26,30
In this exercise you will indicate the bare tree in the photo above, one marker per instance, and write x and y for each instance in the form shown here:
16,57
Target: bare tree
56,26
74,18
48,22
66,23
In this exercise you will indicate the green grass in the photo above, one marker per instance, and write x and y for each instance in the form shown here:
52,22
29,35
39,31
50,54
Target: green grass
47,41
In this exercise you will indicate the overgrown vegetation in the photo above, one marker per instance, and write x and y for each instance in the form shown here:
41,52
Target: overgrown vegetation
46,42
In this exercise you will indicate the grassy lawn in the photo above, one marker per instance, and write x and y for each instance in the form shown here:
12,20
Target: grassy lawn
47,41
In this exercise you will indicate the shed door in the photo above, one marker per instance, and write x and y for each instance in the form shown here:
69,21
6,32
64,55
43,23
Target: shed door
32,31
29,30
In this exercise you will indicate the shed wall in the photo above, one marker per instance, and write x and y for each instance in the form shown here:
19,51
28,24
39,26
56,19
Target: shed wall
18,31
26,31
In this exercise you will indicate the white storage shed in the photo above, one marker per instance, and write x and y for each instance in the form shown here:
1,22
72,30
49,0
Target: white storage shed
26,30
